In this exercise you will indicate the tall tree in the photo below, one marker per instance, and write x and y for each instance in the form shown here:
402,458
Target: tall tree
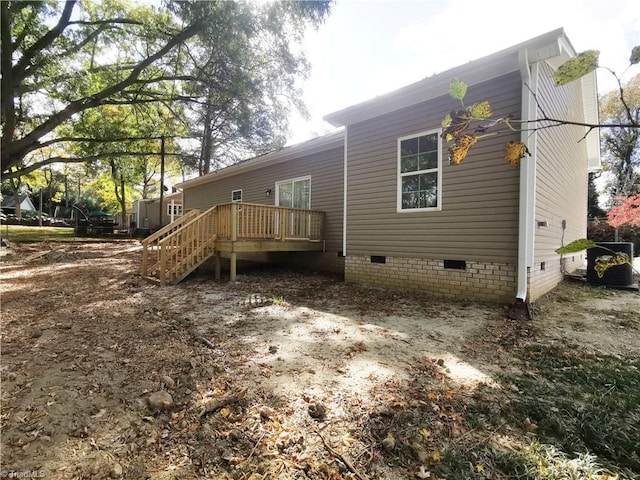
620,144
37,98
113,53
247,67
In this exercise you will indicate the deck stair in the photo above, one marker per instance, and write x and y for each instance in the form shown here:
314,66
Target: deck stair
173,252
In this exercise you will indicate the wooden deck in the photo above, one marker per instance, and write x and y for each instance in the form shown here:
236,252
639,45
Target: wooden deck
170,254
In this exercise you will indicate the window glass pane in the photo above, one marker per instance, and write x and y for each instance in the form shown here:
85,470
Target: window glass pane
428,143
301,194
410,183
428,181
428,161
409,147
410,200
428,190
285,197
409,164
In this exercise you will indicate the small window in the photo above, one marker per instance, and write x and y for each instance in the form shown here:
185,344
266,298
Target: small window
174,209
236,196
420,172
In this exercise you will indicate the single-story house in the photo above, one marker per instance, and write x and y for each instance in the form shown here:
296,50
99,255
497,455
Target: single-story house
145,214
9,204
398,215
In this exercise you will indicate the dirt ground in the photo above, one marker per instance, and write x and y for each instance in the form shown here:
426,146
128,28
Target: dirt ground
281,375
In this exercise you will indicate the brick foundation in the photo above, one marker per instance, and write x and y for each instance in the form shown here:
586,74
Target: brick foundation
479,280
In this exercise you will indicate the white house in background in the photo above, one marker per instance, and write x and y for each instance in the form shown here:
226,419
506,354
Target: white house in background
9,204
146,217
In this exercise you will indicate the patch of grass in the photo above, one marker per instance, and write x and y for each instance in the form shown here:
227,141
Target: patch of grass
584,411
22,233
279,301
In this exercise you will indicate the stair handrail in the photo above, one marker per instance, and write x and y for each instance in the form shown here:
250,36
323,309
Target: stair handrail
177,223
185,248
152,240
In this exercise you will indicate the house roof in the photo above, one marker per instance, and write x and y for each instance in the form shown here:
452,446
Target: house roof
8,201
553,46
477,71
309,147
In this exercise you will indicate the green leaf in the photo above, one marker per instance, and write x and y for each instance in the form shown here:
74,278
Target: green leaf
576,246
446,121
480,110
635,55
457,89
577,67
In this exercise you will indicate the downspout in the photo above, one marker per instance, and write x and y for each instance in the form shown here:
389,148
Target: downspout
526,214
344,200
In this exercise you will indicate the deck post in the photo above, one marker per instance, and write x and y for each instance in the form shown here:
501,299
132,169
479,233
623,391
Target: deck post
232,267
283,225
217,266
234,237
163,263
144,259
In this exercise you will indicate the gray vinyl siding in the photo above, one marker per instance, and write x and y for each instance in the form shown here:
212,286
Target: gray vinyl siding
326,171
479,216
561,177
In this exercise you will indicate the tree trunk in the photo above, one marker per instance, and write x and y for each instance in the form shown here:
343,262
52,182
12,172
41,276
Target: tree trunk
15,188
119,188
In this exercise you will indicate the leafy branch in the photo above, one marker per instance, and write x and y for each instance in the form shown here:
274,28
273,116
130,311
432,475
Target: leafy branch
467,125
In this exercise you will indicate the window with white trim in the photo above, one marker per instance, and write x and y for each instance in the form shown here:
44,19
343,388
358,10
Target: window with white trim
174,209
420,172
294,193
236,195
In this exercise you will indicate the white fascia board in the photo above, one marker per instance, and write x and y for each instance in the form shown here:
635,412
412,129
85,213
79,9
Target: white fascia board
591,116
303,149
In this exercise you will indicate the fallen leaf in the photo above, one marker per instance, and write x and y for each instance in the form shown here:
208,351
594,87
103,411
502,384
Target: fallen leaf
529,425
423,473
436,456
426,433
225,412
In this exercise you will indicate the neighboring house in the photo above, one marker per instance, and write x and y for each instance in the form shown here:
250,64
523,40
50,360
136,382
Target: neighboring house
398,215
9,204
145,214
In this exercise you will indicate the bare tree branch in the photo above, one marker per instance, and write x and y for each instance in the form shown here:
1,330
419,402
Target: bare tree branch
17,149
89,158
43,42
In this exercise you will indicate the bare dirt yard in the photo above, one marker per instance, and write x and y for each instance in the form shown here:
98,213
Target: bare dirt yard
291,375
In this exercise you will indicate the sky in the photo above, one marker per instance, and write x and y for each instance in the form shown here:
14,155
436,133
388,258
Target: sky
370,47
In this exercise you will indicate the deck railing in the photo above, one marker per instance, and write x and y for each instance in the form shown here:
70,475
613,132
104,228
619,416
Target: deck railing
240,221
150,251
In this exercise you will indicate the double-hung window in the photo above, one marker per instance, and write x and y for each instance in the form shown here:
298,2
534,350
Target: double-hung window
420,172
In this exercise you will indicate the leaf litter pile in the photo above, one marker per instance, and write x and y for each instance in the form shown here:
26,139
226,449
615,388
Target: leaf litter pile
289,375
